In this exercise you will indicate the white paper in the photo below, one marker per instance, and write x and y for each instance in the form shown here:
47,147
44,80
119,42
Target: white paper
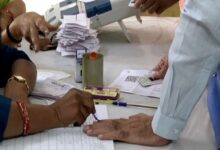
75,34
43,74
71,138
127,81
51,89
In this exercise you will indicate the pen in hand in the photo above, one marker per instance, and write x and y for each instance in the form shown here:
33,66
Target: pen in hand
96,118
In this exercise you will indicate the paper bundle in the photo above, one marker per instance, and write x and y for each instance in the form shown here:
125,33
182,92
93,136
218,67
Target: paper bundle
75,34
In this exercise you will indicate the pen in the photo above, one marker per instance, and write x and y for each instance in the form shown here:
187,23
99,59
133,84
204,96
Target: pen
122,104
96,118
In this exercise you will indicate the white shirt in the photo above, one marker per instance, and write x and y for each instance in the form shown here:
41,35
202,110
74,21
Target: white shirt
193,58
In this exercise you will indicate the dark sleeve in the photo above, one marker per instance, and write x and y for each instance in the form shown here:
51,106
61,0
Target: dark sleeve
8,56
5,105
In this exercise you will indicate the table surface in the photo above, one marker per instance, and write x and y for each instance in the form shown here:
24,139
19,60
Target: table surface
149,42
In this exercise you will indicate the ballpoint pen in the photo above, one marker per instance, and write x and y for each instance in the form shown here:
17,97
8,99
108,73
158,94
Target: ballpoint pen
96,118
121,104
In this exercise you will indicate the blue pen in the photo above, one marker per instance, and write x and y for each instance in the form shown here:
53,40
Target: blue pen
122,104
96,118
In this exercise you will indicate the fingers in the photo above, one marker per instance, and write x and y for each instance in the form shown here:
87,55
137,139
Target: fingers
30,25
34,38
87,100
44,26
108,130
115,135
105,126
51,27
160,74
153,8
80,119
160,70
148,4
138,3
139,116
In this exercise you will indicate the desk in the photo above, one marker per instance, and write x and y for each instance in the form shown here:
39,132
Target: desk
150,41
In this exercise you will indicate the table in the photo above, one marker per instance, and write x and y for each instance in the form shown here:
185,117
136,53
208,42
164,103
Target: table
150,41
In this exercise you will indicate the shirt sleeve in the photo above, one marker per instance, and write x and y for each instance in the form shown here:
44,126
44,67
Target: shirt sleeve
5,105
8,56
193,57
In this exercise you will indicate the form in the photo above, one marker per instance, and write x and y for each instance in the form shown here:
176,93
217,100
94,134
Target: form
127,81
71,138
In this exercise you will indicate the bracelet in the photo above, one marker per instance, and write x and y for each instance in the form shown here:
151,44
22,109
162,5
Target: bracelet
11,37
20,79
25,118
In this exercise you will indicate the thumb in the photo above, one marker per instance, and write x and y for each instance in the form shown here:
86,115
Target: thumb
52,27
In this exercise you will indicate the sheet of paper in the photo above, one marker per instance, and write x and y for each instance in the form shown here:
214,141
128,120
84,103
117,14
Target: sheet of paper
71,138
127,81
51,89
43,74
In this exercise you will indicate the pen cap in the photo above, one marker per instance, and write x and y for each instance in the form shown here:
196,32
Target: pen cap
92,70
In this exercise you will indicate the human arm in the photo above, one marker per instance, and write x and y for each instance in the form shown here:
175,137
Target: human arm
193,57
15,62
136,130
74,107
154,6
31,26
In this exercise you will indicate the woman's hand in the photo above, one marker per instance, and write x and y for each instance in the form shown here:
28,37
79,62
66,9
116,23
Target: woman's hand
74,107
34,28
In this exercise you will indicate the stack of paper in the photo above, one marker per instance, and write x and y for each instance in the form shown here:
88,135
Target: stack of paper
75,34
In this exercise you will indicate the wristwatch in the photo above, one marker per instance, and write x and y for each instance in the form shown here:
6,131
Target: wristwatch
20,79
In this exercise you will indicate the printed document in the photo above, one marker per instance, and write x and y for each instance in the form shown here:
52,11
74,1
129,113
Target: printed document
127,81
71,138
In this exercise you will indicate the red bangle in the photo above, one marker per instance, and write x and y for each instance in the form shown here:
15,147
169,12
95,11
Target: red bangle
25,118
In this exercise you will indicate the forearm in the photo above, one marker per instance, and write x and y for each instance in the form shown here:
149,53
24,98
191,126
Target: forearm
41,118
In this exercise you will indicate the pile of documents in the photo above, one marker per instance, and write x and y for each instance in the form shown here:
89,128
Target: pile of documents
75,34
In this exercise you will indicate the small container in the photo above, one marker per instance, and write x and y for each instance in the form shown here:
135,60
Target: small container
78,65
92,70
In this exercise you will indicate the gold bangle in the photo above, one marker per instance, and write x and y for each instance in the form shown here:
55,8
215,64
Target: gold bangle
20,79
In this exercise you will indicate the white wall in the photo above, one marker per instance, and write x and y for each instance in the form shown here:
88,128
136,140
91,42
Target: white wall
39,6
